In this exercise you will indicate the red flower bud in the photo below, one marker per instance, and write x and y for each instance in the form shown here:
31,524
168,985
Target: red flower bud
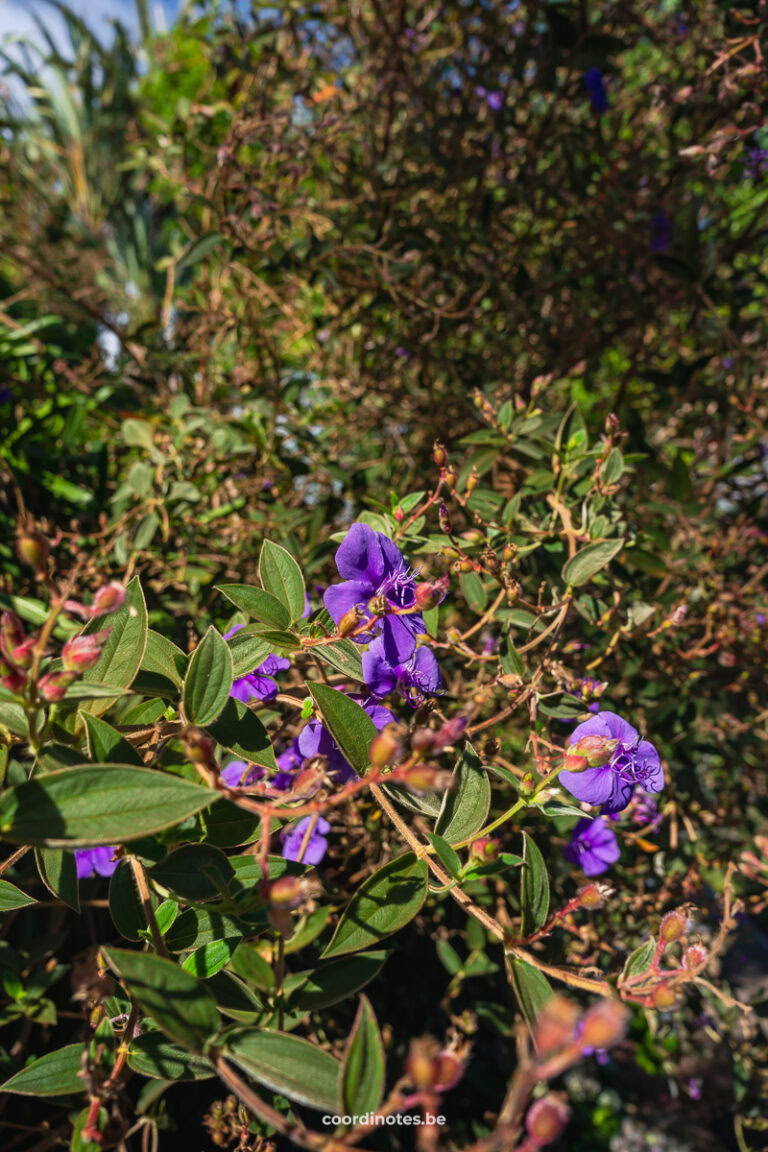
450,1070
547,1119
285,892
528,785
83,651
11,635
485,848
596,750
108,598
695,956
423,1063
594,895
23,654
53,687
13,679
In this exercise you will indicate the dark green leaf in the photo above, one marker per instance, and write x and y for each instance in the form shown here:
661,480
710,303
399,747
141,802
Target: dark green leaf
182,1007
286,1064
152,1055
97,804
344,656
253,968
58,871
125,906
106,746
197,927
639,960
336,981
208,681
534,888
55,1074
348,723
249,650
123,650
241,731
531,988
363,1066
162,657
280,574
194,873
12,897
465,806
446,854
209,958
257,603
386,902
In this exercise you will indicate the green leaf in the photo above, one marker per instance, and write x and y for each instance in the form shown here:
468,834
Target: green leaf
194,873
137,433
209,958
446,854
348,723
241,731
123,650
280,574
227,826
586,563
97,804
125,906
330,983
465,806
198,250
249,650
164,658
534,888
208,681
286,1064
363,1066
55,1074
58,871
344,656
253,968
257,603
639,960
182,1007
531,988
105,745
474,592
198,926
386,902
152,1055
12,897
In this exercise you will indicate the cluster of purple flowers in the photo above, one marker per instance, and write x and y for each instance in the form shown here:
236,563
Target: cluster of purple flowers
611,761
374,569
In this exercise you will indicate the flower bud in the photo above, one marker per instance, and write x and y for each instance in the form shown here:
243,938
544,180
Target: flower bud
83,651
604,1024
611,424
573,763
423,1063
444,520
547,1119
695,956
450,1070
386,746
491,560
108,598
449,479
672,926
350,620
596,750
422,739
472,480
429,594
53,687
509,553
556,1024
528,785
421,777
11,635
198,747
13,679
439,454
664,997
398,514
450,732
23,654
594,895
285,892
485,848
513,591
33,549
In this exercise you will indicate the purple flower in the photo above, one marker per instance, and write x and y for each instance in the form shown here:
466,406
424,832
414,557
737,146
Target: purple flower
315,740
238,774
594,82
494,100
417,677
646,811
756,163
258,685
629,761
95,860
593,847
660,229
316,843
373,565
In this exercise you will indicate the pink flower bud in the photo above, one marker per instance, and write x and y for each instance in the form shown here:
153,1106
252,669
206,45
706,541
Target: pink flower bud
23,654
11,635
594,895
83,652
485,849
556,1024
386,747
604,1024
450,1070
423,1063
108,598
547,1119
13,679
450,732
54,686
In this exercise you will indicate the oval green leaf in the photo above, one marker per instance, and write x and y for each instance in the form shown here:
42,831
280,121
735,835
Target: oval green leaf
152,1055
123,650
12,897
534,888
586,563
208,681
255,602
363,1066
465,806
55,1074
287,1064
280,574
386,902
348,723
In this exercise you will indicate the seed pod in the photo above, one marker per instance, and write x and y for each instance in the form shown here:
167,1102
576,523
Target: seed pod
546,1119
672,926
472,481
350,620
386,746
556,1024
423,1063
33,549
664,997
449,479
439,454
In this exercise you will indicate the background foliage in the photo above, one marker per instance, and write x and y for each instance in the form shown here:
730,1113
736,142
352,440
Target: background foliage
250,270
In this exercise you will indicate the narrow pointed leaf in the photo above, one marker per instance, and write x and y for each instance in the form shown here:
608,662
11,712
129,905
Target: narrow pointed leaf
12,897
286,1064
152,1055
363,1067
58,871
107,746
588,562
55,1074
465,806
534,888
240,730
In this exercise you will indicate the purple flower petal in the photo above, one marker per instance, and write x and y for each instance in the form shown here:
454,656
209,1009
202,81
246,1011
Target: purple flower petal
593,847
316,846
360,557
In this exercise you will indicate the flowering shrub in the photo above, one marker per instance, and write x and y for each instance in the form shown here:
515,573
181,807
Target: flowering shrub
383,608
